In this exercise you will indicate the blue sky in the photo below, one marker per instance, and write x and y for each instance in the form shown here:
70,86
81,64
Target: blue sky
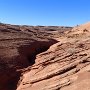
45,12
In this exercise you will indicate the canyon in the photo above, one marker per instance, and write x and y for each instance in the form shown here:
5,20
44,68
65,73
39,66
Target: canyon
44,57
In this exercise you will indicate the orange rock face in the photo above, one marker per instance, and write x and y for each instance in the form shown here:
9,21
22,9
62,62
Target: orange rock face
44,58
18,48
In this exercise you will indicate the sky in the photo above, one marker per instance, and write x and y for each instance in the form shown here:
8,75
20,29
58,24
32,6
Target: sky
45,12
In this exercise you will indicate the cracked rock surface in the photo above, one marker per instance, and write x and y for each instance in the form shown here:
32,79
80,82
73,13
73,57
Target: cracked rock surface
64,66
44,58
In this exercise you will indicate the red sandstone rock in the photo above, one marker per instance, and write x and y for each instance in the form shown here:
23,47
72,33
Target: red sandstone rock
31,58
64,66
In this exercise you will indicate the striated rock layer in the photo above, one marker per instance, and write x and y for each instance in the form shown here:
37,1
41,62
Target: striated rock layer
64,66
19,46
44,58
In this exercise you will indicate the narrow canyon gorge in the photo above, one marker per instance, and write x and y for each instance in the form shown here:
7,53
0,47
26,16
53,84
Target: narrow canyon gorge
44,57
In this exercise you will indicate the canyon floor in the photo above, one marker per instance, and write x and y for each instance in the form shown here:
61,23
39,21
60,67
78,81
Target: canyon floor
44,57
